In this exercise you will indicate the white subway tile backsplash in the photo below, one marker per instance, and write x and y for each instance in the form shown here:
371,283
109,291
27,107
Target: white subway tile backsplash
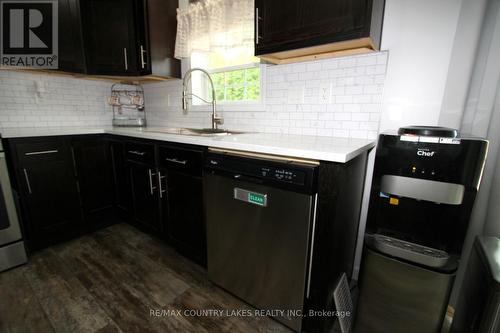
342,116
325,116
347,62
292,77
366,61
335,108
64,101
331,97
278,78
343,99
361,116
310,116
353,90
341,133
297,68
305,76
370,107
352,108
313,67
362,99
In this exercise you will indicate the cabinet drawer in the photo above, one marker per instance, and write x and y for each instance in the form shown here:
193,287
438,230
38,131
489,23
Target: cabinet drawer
184,160
52,149
140,152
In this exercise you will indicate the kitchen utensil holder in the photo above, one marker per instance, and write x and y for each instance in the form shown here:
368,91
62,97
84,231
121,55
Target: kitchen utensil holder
127,100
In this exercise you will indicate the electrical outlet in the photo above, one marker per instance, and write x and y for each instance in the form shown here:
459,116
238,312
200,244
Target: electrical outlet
325,89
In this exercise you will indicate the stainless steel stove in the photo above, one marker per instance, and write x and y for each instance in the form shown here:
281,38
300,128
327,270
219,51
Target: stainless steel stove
12,250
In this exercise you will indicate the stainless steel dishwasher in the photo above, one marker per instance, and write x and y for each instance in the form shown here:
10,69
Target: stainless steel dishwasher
260,219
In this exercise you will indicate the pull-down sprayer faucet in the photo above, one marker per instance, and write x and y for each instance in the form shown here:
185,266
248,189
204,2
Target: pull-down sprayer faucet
216,120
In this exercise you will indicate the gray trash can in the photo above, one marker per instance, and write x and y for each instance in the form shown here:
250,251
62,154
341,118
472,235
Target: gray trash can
478,307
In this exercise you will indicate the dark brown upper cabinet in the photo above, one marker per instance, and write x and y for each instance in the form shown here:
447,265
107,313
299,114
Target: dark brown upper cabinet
295,30
110,36
70,39
134,38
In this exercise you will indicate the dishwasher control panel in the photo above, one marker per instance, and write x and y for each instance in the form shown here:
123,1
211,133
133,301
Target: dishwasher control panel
265,170
282,174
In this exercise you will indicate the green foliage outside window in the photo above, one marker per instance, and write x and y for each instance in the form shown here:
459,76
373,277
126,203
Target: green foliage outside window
237,85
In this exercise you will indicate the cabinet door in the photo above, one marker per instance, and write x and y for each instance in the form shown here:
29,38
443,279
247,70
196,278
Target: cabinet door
186,222
121,178
162,28
49,191
71,55
286,25
145,196
274,22
142,45
95,178
335,20
110,36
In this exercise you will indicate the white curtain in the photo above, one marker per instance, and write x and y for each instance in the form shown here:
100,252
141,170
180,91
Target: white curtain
215,26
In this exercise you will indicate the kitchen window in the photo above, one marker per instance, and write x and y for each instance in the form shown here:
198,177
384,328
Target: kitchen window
217,35
237,84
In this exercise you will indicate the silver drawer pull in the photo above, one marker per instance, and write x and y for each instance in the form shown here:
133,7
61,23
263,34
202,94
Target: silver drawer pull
27,181
42,152
143,62
125,57
160,187
257,18
135,152
174,160
151,175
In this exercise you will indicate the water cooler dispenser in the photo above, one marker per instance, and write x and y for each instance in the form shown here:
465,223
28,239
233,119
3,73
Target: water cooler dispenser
424,185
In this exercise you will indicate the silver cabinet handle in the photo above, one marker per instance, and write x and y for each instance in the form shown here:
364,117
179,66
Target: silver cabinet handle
27,181
41,152
143,62
125,57
135,152
174,160
160,187
257,36
151,187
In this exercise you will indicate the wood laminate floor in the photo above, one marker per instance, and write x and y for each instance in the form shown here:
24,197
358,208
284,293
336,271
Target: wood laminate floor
110,281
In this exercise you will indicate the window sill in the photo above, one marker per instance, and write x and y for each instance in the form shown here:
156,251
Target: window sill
236,107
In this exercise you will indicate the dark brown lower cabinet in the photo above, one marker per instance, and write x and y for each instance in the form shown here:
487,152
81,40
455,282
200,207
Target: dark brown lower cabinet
121,178
146,211
46,183
95,179
69,185
186,218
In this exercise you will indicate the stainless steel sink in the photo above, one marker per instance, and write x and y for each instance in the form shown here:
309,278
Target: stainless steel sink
193,131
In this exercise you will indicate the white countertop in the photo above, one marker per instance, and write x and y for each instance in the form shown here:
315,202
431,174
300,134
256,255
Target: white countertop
299,146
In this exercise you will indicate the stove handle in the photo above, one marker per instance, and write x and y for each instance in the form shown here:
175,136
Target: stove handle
28,184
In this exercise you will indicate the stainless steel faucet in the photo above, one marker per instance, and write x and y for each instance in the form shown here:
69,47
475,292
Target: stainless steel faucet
216,120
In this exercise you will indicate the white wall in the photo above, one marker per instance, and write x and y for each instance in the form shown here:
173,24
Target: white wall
64,101
481,118
419,36
462,62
